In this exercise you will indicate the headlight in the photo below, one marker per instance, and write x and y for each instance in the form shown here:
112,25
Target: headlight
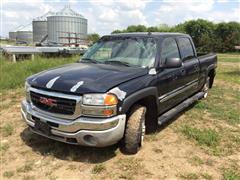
102,105
100,99
27,86
27,90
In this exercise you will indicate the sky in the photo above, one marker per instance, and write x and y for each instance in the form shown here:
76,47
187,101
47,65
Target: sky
104,16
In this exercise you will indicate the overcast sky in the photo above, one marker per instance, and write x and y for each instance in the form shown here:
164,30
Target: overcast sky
105,16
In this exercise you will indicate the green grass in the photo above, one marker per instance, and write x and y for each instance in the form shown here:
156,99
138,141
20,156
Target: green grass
8,174
189,176
231,174
222,104
26,168
196,161
4,147
13,75
193,176
205,137
229,73
7,130
232,59
130,167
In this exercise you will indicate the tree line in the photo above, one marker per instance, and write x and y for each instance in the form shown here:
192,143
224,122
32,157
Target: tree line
207,36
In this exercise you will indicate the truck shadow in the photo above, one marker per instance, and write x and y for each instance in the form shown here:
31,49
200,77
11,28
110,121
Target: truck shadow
79,153
67,152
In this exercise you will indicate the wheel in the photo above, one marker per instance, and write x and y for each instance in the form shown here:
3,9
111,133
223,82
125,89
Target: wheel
135,130
206,87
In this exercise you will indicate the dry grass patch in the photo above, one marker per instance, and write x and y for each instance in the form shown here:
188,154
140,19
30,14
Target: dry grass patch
98,168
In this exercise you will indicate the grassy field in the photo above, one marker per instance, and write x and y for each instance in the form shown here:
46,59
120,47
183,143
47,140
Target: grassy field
203,142
13,75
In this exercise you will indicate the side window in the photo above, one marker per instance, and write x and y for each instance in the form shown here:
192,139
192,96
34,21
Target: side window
169,49
186,48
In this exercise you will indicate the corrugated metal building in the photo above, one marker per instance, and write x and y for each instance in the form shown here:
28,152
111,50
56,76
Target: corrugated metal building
39,26
13,34
25,34
66,27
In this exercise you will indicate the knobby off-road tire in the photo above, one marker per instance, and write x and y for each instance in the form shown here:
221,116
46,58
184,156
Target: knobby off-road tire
135,130
206,87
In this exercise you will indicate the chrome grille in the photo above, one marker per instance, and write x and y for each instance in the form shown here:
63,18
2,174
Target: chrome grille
56,104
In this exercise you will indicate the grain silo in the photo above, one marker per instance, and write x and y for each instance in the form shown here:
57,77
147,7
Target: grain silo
13,34
39,26
66,27
25,34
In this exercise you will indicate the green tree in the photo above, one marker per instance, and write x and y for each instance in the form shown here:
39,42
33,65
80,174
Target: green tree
136,28
116,31
93,37
228,35
201,32
207,36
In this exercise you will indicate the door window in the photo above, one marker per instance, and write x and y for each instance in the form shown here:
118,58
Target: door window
186,48
169,49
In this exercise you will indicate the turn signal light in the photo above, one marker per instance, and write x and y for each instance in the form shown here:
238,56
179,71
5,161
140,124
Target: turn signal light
110,99
108,112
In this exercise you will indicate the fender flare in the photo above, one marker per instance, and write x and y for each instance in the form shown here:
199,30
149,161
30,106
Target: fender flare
143,93
211,67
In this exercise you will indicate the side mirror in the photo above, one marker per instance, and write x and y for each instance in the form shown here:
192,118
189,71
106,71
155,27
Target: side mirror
173,63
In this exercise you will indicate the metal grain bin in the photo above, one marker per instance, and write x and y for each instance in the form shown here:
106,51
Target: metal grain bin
12,35
25,34
66,27
39,26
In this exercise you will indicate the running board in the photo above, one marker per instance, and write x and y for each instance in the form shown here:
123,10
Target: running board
177,109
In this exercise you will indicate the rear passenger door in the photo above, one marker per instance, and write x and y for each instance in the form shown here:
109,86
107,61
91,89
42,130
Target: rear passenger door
190,64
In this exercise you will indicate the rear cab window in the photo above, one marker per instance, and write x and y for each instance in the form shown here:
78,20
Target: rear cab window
186,48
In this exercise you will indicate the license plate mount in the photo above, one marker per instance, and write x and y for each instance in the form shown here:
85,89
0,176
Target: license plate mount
42,127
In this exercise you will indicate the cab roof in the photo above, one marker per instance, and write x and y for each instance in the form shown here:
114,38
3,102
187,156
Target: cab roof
147,34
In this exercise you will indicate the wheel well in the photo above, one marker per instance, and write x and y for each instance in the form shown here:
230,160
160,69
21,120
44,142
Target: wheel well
211,74
151,114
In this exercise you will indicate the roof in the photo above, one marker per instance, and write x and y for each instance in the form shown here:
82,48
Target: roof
44,17
67,11
153,34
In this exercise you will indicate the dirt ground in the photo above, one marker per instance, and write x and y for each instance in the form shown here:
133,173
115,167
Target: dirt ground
167,154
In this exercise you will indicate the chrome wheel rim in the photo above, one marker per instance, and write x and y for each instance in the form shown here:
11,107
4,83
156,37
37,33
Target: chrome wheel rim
205,89
143,132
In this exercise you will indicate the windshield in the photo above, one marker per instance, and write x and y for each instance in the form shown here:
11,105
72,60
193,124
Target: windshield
126,51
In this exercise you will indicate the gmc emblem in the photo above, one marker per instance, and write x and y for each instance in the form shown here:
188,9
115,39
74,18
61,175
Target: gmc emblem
48,101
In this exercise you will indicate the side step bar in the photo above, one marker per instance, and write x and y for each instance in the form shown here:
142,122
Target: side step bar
177,109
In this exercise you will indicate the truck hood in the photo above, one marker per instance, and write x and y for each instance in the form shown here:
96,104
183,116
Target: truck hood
83,78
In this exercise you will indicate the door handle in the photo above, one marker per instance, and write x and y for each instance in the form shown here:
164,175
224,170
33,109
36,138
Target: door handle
196,67
183,71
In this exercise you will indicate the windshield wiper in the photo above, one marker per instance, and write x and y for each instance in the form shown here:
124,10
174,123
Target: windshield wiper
117,62
88,60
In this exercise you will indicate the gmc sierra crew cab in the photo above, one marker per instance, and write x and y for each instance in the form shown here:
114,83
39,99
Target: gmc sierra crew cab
124,86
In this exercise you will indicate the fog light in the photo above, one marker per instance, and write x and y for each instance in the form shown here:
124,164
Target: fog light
89,139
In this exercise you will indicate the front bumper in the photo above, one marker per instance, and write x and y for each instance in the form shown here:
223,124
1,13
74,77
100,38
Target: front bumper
97,132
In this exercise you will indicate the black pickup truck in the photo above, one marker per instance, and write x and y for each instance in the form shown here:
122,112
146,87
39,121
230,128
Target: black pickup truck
123,86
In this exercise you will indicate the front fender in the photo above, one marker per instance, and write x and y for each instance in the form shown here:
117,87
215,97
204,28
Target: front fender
133,98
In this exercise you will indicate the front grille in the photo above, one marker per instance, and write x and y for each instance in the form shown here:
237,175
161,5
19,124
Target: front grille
60,106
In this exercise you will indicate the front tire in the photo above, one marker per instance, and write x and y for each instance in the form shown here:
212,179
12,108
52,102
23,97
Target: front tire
135,130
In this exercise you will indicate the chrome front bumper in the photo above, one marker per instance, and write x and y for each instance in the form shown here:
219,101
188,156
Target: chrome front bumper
97,132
